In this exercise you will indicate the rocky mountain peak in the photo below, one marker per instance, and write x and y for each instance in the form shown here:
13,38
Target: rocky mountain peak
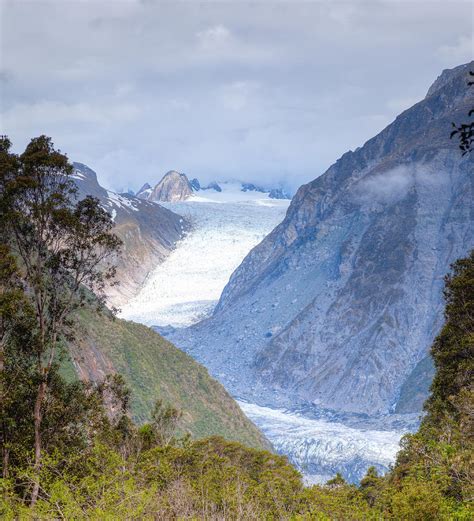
144,191
447,76
174,186
82,171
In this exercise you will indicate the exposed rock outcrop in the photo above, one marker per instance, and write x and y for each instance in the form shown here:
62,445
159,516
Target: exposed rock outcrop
279,193
144,191
172,187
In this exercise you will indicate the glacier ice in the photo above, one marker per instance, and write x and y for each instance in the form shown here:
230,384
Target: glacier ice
186,286
319,448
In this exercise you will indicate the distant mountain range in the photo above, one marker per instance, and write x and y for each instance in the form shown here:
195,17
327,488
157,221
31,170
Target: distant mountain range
337,307
174,187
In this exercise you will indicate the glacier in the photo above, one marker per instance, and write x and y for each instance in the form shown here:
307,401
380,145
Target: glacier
319,448
226,225
184,290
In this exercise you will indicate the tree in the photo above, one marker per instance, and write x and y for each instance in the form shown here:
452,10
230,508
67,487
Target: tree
453,349
465,131
164,421
337,481
16,331
63,247
441,451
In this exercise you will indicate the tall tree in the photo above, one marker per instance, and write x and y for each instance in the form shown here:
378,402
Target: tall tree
64,249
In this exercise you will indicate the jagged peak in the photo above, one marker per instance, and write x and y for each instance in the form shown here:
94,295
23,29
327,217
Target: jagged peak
447,76
82,170
175,173
146,186
173,186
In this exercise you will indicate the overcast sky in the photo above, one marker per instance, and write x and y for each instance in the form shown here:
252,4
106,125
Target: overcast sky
261,91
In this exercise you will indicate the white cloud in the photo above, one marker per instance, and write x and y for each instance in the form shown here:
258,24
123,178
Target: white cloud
47,114
461,51
263,90
236,95
386,187
391,186
214,37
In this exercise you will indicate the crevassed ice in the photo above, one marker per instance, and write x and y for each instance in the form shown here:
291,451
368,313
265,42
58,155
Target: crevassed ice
320,448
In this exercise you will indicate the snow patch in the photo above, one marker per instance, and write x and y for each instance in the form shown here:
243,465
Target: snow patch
122,202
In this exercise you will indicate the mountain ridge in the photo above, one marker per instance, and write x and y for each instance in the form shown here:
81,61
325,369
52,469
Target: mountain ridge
175,187
153,369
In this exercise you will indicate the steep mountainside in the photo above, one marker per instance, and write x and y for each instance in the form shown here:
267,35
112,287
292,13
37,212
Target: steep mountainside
154,368
337,307
149,233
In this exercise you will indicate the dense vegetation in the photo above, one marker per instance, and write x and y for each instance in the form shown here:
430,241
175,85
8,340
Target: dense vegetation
154,368
71,450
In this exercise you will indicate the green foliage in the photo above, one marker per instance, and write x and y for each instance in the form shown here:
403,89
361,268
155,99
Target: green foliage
442,450
336,481
339,502
453,349
212,479
154,368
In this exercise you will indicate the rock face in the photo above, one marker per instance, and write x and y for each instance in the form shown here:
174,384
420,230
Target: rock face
195,184
149,233
337,307
172,187
278,193
212,186
144,191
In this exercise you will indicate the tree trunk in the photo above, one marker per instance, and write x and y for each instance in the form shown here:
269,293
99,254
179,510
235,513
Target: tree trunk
5,462
38,416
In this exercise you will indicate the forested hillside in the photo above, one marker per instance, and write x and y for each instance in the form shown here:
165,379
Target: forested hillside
153,368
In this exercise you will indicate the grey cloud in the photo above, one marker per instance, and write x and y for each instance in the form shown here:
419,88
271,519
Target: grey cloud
262,91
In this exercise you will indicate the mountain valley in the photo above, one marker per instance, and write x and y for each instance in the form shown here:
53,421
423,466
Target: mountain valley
333,312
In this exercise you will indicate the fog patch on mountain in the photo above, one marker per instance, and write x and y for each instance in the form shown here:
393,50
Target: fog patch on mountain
392,186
